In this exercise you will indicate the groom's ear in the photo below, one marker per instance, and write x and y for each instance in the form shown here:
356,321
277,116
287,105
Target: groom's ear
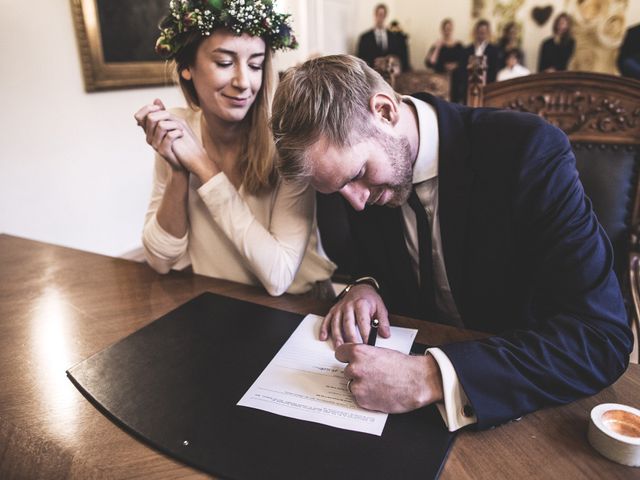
384,108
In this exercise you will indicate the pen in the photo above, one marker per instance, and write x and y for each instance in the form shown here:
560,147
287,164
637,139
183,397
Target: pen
373,333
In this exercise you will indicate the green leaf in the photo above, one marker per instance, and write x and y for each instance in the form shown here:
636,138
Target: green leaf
216,4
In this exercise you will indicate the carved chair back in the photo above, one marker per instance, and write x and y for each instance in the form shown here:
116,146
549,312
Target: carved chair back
389,67
601,116
414,81
411,81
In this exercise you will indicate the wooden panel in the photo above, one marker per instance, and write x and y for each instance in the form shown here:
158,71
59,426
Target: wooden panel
588,107
550,443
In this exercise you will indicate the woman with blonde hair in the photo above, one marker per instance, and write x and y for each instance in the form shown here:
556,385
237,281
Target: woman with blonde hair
217,202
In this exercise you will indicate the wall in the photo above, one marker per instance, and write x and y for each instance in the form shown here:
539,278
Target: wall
75,168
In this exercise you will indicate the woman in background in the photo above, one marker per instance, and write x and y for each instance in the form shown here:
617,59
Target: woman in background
509,42
444,56
556,51
217,202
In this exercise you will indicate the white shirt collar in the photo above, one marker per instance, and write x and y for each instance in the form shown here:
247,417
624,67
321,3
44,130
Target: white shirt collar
480,48
426,165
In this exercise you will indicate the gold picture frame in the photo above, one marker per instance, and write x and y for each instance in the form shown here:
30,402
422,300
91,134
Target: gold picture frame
100,74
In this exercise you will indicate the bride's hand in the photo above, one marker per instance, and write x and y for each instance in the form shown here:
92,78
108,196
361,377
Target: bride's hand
161,129
192,155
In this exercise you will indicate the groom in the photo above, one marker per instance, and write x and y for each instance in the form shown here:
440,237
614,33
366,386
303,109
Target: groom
488,229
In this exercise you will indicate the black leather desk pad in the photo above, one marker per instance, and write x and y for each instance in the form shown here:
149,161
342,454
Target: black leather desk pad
175,384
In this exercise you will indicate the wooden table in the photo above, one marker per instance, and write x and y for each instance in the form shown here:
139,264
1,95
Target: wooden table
58,306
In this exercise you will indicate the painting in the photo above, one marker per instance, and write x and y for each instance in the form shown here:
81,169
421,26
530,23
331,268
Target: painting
116,40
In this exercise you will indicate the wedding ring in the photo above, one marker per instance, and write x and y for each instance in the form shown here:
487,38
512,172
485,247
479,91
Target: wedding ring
349,385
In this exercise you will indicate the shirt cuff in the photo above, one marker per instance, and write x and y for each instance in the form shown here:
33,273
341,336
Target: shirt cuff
161,243
456,410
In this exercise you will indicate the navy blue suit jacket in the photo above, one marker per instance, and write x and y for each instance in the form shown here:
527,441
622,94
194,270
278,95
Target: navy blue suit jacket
526,260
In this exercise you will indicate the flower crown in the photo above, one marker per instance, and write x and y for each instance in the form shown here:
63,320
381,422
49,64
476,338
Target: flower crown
255,17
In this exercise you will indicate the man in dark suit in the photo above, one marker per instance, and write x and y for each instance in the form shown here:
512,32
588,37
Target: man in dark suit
380,41
492,232
629,56
481,46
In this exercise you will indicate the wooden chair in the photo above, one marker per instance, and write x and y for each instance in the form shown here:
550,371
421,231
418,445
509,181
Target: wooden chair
412,81
601,116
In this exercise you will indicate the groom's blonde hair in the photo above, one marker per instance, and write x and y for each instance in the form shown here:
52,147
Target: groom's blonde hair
324,97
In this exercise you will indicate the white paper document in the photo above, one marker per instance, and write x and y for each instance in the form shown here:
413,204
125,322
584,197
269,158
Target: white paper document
305,381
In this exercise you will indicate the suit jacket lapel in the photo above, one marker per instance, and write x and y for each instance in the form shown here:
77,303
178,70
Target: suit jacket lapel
455,178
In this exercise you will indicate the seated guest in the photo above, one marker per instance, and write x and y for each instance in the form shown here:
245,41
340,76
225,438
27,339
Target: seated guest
481,46
380,42
556,51
629,56
489,228
512,68
217,201
510,40
444,55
